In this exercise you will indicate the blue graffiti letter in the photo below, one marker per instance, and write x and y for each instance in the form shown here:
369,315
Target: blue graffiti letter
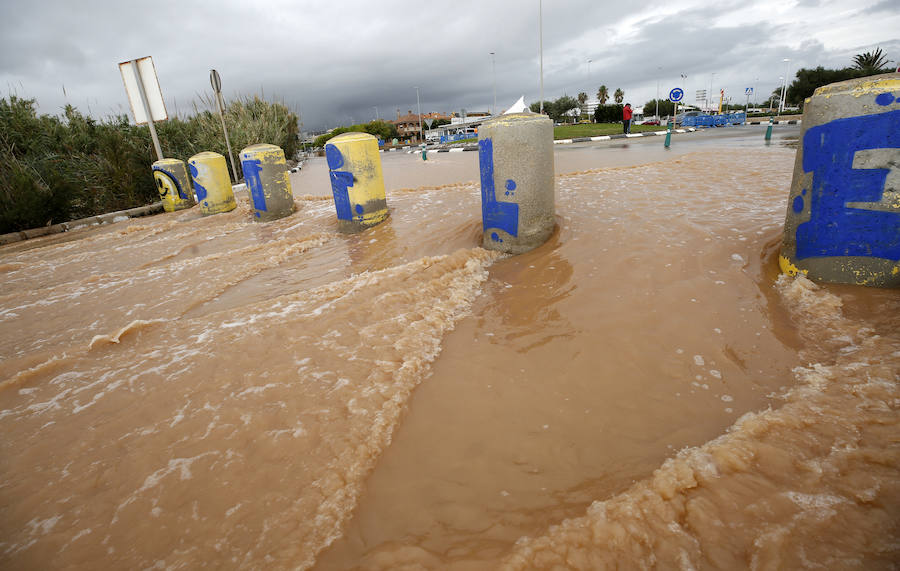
854,205
494,214
340,182
252,168
201,192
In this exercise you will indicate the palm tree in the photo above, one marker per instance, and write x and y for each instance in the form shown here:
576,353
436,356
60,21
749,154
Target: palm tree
602,94
582,99
619,96
870,62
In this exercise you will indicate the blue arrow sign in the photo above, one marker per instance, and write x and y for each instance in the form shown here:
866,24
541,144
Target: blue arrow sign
676,94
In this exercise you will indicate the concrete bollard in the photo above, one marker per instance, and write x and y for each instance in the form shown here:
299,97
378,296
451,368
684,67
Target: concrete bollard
265,171
211,182
357,182
515,154
173,184
843,216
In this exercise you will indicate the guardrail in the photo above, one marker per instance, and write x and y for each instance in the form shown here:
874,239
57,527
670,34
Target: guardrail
715,120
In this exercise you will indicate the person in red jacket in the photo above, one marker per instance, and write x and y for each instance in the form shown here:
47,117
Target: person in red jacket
626,118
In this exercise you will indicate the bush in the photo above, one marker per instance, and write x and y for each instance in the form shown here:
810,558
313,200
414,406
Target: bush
54,169
608,113
380,129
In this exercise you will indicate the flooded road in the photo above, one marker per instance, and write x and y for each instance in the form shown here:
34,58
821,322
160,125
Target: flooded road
642,390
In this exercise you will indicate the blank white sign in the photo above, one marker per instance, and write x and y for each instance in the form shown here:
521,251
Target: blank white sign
151,88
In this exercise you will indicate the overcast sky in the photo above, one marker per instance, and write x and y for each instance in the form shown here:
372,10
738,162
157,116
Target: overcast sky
335,61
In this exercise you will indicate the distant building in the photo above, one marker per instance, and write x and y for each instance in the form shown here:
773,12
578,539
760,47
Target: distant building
408,125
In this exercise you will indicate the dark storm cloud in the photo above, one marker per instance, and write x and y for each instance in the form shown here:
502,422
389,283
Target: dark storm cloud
337,61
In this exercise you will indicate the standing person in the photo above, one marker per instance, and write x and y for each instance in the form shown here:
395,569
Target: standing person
626,118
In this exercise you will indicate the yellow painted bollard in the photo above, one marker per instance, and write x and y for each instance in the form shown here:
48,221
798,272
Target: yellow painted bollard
356,181
843,215
268,182
173,184
211,182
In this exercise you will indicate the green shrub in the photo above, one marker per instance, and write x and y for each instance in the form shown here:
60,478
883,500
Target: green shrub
54,169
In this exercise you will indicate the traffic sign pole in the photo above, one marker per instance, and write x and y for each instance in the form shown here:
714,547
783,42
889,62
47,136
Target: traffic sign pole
140,83
216,83
675,96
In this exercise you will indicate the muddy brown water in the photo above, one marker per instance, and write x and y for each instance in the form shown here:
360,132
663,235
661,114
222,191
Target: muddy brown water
643,390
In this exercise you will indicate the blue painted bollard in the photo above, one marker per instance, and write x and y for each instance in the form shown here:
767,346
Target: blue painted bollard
518,207
843,216
357,182
211,183
268,182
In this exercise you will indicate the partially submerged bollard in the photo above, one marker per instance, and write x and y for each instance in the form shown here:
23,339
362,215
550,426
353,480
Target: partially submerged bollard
769,129
173,184
211,182
515,155
357,182
268,183
843,215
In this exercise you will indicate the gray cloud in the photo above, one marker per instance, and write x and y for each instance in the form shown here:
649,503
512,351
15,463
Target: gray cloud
336,61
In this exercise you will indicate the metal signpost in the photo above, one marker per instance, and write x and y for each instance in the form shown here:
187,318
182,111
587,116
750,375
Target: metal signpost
675,96
141,84
216,83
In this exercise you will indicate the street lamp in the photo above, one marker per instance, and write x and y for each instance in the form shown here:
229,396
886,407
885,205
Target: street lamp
494,71
541,33
712,76
658,72
783,86
419,107
376,111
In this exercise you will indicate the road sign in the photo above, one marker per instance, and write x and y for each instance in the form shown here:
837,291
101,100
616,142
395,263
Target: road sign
140,75
215,80
676,94
428,122
748,91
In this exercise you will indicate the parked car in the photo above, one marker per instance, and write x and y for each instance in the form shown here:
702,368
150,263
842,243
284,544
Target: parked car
651,120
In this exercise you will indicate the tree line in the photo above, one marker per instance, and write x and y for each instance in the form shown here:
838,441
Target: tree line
807,80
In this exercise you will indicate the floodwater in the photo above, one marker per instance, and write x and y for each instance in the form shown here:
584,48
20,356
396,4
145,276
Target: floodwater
642,391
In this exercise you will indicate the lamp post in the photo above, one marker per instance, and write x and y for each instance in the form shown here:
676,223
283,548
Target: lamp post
712,76
419,108
783,86
541,34
494,71
658,72
376,111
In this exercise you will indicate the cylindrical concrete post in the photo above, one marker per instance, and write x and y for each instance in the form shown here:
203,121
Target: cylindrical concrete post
515,154
265,171
211,182
843,215
356,181
173,184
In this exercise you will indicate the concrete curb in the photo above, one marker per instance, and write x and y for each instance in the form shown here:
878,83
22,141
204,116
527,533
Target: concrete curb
791,122
569,141
107,218
619,136
446,150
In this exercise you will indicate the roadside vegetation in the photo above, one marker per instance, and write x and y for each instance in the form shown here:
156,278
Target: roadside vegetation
380,129
59,168
597,130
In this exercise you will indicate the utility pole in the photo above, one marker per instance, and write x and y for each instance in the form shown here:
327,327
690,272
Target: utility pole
419,107
541,27
494,71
